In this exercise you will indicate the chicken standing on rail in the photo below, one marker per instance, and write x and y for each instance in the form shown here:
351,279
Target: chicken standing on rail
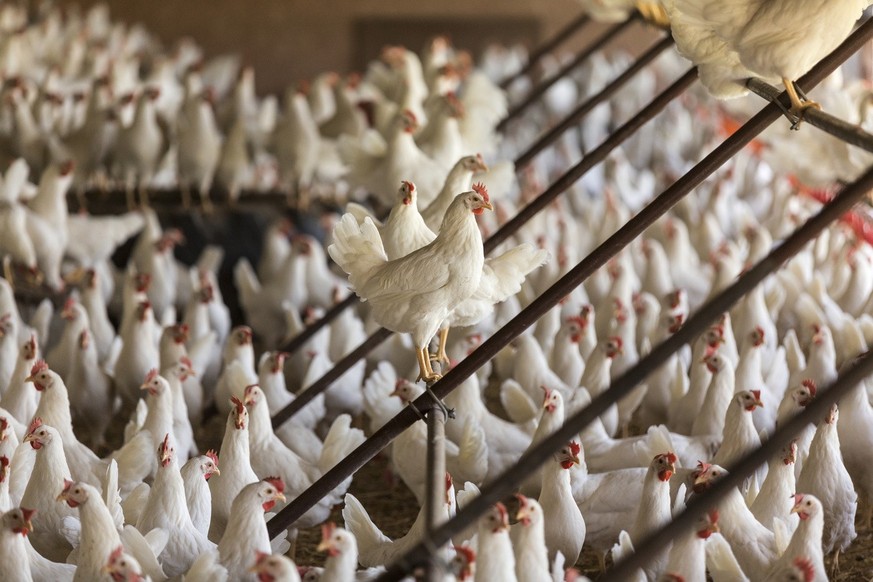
416,293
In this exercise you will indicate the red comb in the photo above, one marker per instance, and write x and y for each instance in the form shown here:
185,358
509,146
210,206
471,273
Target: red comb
116,553
212,455
261,556
277,483
409,185
39,366
756,394
809,384
238,403
166,442
153,373
575,448
522,500
703,467
448,482
671,457
68,484
35,424
504,515
480,189
187,362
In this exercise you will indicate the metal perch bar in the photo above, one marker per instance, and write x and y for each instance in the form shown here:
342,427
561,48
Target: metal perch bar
847,132
513,477
558,187
860,369
436,483
546,84
582,110
546,48
565,285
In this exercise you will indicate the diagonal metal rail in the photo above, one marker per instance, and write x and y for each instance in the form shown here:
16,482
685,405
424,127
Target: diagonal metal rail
585,108
512,478
533,96
574,117
558,187
565,33
562,287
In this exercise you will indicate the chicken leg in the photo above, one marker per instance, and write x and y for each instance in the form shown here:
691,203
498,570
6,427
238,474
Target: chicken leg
441,350
425,372
798,105
654,13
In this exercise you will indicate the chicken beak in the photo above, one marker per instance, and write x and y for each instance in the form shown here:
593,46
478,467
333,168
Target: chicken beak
62,496
280,497
30,379
215,471
575,459
713,527
487,206
323,546
758,403
29,437
106,569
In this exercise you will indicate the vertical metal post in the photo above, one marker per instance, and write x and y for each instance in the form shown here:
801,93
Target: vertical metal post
436,480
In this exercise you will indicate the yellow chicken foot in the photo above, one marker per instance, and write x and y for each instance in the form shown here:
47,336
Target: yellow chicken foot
423,364
441,350
798,105
431,375
654,13
836,564
425,372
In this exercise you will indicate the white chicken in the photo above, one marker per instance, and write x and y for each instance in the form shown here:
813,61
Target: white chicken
765,38
416,293
404,230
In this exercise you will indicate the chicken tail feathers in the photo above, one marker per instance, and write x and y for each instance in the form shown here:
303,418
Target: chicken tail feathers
367,533
357,249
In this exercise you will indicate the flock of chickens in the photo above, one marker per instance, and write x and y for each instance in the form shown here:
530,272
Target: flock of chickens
111,404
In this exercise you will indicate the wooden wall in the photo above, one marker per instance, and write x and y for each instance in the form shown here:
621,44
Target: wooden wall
287,40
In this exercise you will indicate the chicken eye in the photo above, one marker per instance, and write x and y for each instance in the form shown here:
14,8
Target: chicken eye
269,491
